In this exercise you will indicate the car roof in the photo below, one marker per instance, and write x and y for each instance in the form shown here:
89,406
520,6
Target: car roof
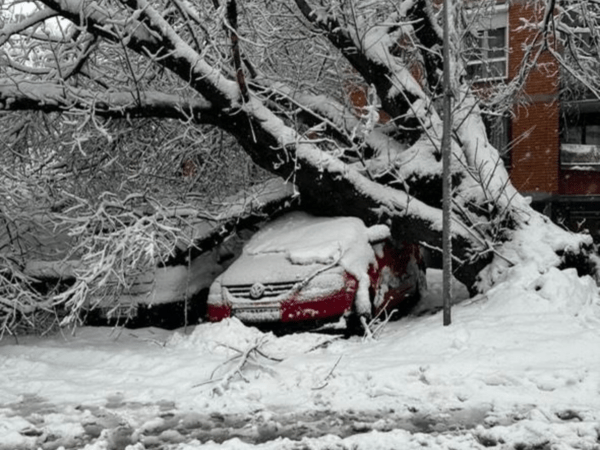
299,235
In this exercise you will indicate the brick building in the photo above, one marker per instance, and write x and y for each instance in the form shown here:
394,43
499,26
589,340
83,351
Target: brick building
551,145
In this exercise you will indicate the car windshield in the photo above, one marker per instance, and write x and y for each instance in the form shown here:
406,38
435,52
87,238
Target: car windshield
308,240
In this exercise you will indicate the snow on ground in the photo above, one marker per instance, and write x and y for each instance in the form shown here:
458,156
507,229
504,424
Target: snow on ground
519,368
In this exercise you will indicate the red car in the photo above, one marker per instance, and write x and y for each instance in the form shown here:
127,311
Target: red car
302,269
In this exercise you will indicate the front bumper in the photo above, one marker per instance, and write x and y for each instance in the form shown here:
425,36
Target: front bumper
326,296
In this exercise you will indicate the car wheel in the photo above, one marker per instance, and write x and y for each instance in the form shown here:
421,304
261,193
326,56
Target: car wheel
354,326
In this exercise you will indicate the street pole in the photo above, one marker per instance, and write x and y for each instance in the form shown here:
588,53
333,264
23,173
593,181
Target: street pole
446,173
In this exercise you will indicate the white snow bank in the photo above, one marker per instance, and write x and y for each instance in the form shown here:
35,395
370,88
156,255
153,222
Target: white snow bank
534,242
222,337
516,366
526,291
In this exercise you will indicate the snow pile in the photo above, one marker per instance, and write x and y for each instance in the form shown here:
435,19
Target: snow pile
222,337
578,296
216,337
518,368
536,242
525,290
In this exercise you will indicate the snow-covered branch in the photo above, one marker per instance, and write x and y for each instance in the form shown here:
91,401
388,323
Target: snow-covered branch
11,29
148,33
45,96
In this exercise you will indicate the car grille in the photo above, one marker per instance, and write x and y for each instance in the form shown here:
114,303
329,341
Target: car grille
271,290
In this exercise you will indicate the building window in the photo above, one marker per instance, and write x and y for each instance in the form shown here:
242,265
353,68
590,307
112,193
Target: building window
487,57
488,60
580,141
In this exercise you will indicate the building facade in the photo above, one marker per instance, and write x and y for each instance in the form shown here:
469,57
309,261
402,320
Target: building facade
551,145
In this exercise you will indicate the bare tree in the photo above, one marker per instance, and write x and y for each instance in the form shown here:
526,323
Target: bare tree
342,99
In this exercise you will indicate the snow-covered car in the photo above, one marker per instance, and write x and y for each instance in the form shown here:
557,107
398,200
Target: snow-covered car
301,269
166,297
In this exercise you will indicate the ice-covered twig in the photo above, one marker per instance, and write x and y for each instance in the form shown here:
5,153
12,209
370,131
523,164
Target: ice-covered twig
243,357
379,324
237,370
326,379
368,333
325,343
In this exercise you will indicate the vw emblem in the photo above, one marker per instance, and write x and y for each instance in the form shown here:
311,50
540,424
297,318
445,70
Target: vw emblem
257,290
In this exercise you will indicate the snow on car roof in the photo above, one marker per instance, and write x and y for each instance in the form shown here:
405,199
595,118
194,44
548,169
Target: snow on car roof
307,239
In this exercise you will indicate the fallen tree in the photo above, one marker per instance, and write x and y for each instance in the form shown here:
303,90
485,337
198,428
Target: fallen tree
279,78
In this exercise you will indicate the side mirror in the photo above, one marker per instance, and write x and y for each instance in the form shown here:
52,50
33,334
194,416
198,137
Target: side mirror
378,233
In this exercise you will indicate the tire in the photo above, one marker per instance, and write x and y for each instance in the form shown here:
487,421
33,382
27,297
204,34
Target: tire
354,326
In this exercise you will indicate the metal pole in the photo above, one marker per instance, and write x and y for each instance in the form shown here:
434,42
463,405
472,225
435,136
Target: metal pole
446,174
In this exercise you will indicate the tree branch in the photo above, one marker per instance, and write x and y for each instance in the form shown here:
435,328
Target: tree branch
371,56
153,36
235,49
428,34
14,28
52,97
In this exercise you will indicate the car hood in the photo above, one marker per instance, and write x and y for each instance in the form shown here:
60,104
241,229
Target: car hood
267,268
